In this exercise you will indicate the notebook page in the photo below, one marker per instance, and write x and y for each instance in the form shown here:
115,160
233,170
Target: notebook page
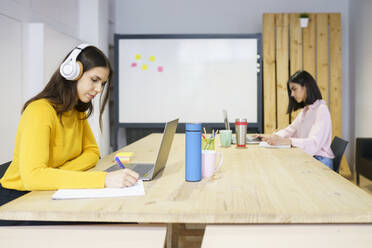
135,190
265,144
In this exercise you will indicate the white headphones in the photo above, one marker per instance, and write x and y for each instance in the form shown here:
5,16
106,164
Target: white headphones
71,69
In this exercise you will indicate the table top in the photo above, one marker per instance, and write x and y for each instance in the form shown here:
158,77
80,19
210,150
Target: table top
253,185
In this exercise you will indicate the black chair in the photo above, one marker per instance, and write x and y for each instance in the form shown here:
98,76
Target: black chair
338,147
363,158
3,168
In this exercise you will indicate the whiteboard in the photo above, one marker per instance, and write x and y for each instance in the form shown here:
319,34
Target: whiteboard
194,79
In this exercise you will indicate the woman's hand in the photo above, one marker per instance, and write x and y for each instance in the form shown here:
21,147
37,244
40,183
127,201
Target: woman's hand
257,137
121,178
276,140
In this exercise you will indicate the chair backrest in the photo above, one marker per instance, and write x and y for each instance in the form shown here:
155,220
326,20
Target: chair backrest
3,168
338,147
363,158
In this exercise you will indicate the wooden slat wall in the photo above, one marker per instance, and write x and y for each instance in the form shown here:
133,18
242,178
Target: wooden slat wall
282,73
309,45
287,48
295,51
269,73
335,73
322,54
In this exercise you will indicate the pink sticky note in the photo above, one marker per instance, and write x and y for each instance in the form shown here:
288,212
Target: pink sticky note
134,64
160,68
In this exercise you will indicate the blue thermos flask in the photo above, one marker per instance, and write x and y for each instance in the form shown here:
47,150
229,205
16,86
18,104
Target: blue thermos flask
193,152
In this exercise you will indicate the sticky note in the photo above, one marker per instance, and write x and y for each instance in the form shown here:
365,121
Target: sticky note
160,68
152,58
138,56
134,64
144,67
124,157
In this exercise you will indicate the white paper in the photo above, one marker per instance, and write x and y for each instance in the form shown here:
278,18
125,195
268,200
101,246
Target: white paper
249,140
135,190
265,144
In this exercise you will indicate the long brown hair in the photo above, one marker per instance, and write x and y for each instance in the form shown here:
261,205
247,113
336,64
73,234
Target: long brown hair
62,93
303,78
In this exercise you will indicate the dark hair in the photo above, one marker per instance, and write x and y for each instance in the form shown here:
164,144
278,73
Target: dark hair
62,93
303,78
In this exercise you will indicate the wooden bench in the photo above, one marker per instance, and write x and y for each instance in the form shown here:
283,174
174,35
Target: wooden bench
288,236
118,235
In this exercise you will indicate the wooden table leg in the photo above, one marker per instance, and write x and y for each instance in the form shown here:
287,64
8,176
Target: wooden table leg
172,235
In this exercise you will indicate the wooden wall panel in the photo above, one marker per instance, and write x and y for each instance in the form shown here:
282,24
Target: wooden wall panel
335,73
309,45
295,50
316,49
269,84
295,44
335,88
282,73
322,54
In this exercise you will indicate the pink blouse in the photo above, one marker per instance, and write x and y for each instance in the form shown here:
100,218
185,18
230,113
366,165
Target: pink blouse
311,130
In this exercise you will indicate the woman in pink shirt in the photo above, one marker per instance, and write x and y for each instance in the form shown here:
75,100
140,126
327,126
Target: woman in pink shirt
312,129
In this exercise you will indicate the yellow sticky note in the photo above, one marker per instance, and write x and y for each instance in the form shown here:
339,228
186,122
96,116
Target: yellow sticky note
144,67
125,154
138,56
152,58
124,157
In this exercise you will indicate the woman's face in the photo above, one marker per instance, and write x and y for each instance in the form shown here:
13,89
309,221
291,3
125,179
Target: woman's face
91,83
298,92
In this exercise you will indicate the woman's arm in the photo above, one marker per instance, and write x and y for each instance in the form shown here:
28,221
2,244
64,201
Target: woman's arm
291,130
283,137
34,155
90,153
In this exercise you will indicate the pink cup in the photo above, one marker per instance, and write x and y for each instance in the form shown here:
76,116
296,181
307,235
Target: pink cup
209,158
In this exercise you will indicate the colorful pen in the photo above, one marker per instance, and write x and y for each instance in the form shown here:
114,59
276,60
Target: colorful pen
117,160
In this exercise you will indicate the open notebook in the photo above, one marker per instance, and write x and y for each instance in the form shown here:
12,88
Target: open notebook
135,190
265,144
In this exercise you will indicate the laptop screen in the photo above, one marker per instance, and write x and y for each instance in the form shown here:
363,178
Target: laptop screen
165,146
226,120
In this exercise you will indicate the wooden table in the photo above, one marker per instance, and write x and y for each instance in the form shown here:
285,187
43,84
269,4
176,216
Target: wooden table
254,185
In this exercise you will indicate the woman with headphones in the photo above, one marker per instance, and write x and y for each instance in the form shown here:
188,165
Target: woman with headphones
54,143
312,129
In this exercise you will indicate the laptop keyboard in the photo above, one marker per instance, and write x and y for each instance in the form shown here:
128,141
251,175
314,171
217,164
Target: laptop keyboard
143,169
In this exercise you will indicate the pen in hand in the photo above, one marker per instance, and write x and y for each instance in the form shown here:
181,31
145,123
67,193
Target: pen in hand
117,160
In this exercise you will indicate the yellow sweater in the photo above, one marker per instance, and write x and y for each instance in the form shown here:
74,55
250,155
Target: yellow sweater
49,155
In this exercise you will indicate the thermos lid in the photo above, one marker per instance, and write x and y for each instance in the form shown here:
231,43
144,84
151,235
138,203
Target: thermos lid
243,120
193,126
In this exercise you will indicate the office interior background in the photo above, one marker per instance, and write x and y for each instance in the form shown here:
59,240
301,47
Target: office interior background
37,34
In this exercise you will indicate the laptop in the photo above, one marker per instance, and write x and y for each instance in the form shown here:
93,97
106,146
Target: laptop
149,171
249,139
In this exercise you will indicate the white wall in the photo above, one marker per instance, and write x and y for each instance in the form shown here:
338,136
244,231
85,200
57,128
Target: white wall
60,22
94,29
42,53
234,16
10,84
63,15
360,66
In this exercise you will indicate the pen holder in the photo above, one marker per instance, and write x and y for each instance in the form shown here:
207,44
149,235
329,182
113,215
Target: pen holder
208,144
